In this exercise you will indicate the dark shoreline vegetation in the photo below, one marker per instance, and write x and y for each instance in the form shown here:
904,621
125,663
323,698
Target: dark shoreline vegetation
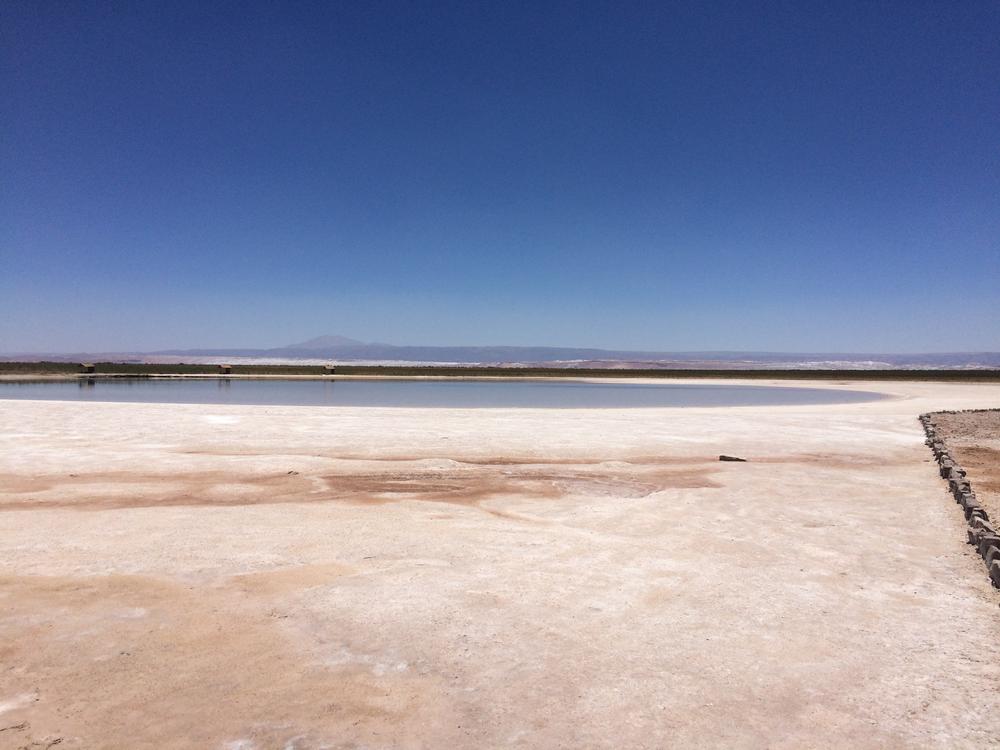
117,369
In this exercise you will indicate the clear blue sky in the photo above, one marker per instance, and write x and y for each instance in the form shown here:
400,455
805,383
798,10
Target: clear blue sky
788,176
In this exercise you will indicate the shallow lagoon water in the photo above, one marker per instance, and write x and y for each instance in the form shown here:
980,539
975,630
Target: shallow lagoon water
461,393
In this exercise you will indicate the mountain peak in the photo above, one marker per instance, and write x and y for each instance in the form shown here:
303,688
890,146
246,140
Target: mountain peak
326,342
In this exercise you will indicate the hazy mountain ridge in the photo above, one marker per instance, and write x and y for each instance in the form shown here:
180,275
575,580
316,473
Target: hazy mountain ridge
343,349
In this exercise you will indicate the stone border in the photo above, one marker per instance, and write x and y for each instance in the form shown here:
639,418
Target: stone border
981,534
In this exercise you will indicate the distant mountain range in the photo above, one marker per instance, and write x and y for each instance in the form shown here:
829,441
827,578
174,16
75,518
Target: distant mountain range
343,349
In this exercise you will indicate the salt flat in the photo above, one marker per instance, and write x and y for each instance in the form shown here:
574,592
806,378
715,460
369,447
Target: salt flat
298,577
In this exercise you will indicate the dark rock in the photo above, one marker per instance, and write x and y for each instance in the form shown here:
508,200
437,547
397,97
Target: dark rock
982,525
970,508
995,574
977,513
956,474
732,458
986,541
992,553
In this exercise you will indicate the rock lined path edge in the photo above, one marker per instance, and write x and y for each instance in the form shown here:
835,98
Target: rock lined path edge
981,534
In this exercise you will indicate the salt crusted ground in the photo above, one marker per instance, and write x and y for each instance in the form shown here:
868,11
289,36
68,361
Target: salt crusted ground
258,577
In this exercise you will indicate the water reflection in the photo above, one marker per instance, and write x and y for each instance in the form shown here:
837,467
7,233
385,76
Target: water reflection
328,394
404,393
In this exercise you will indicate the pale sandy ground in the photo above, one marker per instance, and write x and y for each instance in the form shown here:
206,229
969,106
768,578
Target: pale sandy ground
492,578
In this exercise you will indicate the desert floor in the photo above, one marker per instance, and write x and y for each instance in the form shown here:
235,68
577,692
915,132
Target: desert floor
294,577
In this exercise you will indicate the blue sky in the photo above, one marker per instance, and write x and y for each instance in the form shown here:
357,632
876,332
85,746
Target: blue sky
788,176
